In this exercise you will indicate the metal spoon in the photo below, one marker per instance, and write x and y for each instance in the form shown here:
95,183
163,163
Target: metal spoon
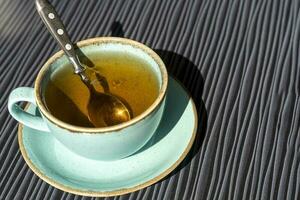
104,109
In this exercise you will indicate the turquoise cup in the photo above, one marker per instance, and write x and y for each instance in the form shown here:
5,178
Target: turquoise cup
108,143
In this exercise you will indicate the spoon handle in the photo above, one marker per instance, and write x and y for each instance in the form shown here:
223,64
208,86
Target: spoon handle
54,24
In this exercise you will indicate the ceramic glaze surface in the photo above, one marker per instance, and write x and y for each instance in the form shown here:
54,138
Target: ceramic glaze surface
107,143
109,146
71,172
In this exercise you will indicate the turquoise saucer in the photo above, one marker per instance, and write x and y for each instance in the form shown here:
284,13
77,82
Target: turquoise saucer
65,170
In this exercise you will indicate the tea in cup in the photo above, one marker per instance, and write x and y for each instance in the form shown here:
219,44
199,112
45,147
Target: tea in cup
130,70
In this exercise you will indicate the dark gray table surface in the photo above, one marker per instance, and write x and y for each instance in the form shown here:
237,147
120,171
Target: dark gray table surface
238,58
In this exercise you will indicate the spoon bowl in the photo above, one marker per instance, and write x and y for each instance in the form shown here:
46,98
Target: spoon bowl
107,110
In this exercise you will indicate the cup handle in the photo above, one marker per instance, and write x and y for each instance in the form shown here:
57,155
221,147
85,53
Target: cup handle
30,120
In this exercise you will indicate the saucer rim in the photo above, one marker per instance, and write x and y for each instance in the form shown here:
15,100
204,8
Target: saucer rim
117,192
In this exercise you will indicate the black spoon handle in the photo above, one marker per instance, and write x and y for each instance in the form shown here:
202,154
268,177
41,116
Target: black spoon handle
58,31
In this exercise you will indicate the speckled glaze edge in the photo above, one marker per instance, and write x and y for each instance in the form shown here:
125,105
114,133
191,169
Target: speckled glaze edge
110,129
106,193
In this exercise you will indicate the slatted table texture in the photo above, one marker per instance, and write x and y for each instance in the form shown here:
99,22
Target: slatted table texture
239,59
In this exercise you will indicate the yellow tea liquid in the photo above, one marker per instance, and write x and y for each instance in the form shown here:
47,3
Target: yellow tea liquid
66,97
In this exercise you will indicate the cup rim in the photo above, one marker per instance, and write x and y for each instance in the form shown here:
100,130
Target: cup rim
118,127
